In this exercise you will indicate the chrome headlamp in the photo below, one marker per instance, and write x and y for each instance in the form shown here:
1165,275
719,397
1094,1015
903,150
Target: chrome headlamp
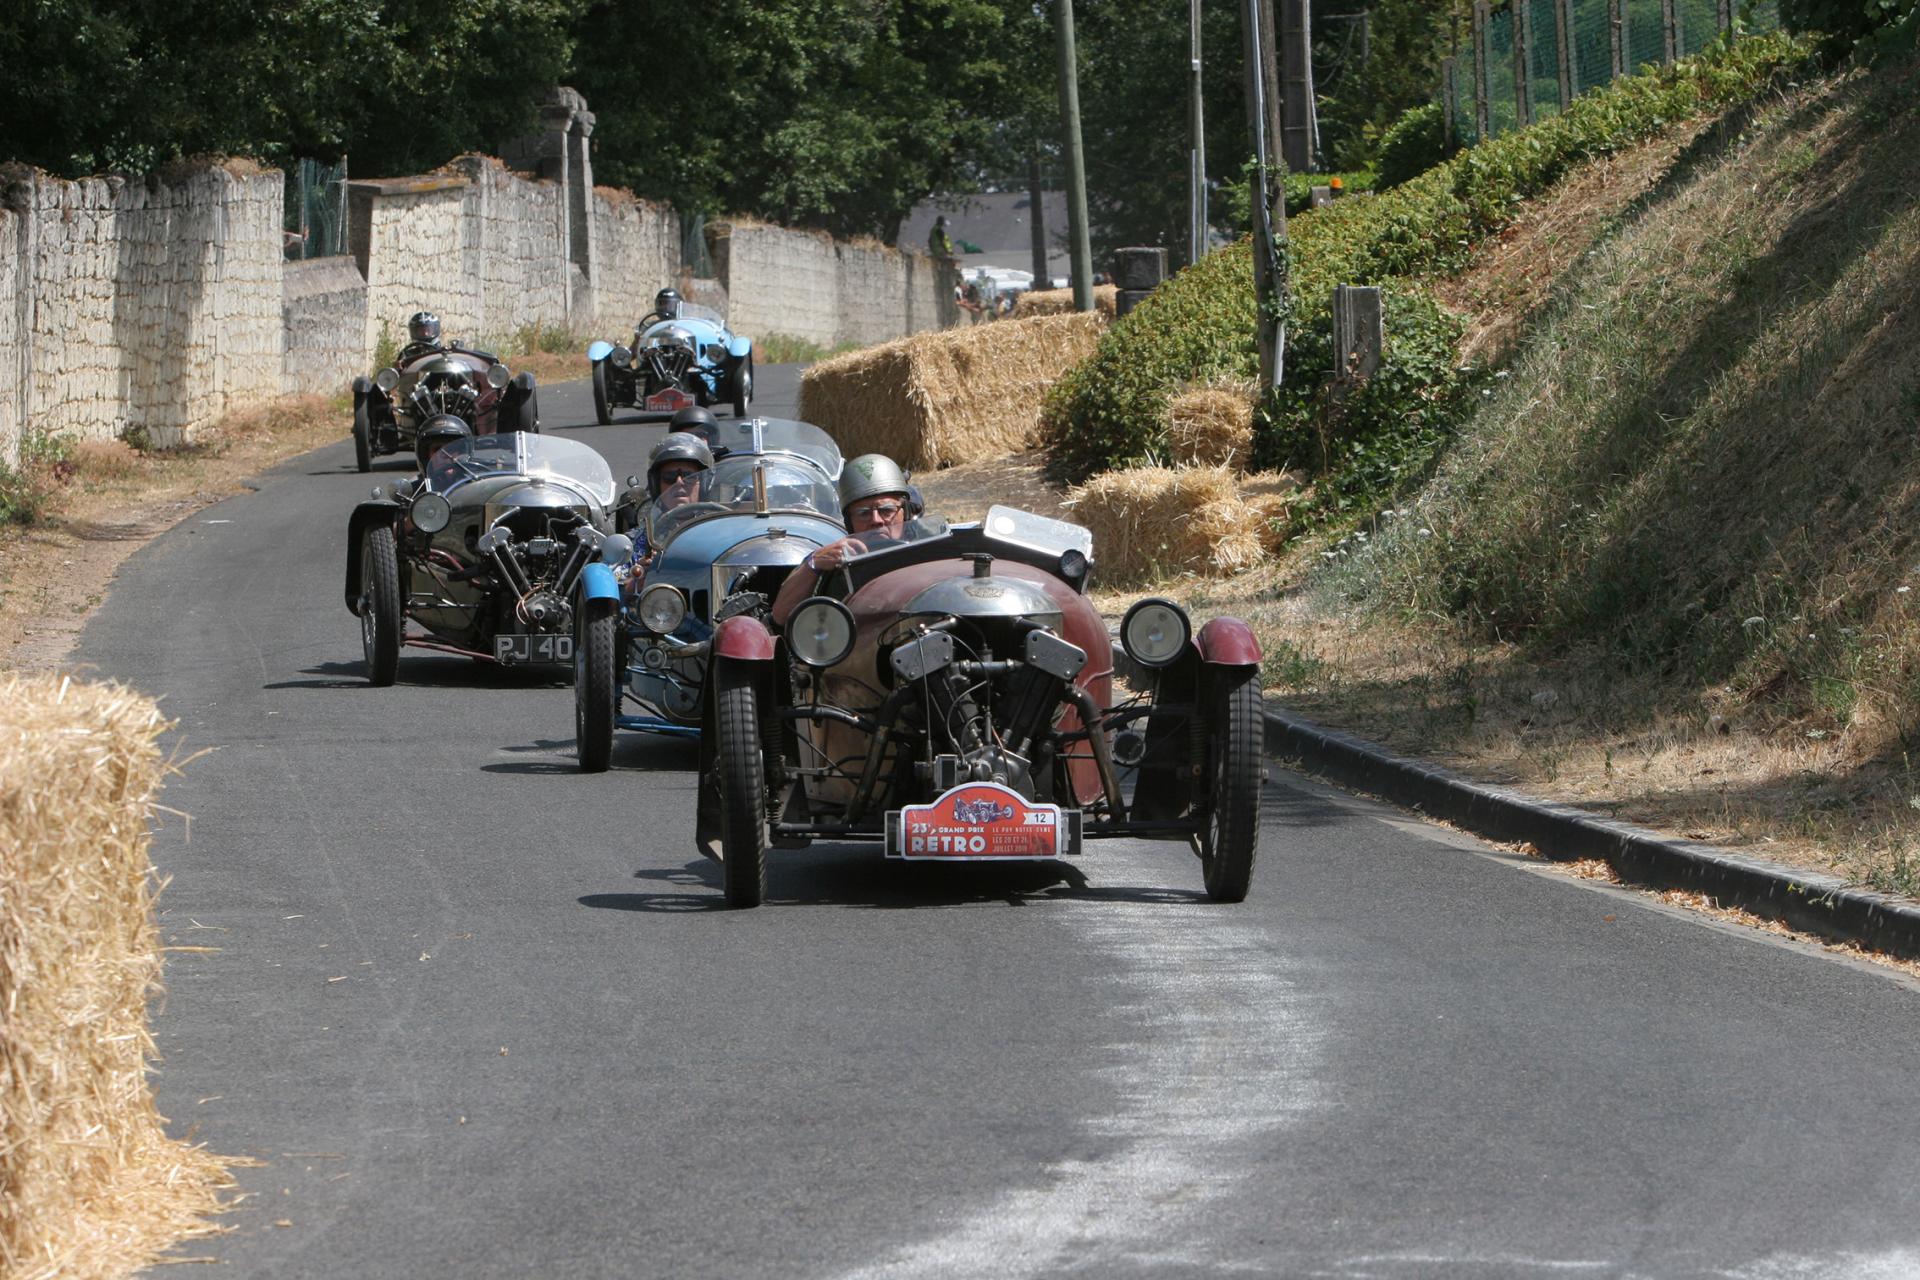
1155,632
820,631
621,357
662,607
616,548
497,375
431,512
387,379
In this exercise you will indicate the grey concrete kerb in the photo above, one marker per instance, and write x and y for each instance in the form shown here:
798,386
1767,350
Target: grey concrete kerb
1816,903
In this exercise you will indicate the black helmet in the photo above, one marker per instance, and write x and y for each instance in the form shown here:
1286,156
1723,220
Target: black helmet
436,433
694,420
676,446
423,326
667,304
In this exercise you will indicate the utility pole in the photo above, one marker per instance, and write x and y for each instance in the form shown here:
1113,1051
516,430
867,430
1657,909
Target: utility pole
1081,239
1272,288
1036,195
1197,155
1300,134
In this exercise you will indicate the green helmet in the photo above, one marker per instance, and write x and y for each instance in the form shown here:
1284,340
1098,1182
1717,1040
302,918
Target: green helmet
870,474
675,446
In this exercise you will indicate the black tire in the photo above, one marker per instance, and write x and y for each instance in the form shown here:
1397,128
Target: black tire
382,624
1230,837
602,407
362,436
742,785
596,685
530,414
740,387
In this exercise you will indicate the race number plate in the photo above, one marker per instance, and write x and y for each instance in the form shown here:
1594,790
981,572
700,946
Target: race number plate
540,648
976,822
671,400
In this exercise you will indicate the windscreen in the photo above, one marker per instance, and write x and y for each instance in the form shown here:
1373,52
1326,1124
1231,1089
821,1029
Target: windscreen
792,485
522,453
776,436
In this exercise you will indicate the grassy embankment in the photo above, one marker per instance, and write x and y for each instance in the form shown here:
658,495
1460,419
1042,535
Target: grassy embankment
1667,568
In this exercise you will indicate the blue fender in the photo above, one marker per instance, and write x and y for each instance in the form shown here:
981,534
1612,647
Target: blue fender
597,582
599,351
739,347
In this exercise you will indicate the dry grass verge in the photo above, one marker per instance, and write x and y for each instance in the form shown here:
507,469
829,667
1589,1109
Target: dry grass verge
93,1186
936,399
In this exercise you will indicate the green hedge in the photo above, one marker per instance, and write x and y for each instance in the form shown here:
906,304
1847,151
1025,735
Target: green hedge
1110,410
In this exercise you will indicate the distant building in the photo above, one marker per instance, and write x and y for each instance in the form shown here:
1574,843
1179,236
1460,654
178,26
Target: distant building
1000,224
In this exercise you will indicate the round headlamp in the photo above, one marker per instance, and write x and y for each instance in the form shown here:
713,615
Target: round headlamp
820,631
1073,564
661,608
621,357
431,513
387,379
497,375
1155,632
616,548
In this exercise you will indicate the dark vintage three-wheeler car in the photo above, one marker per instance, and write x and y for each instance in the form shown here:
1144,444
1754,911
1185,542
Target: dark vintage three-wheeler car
952,698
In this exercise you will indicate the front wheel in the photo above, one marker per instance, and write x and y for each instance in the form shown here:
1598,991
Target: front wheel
738,770
740,386
381,622
602,406
362,436
596,688
1230,838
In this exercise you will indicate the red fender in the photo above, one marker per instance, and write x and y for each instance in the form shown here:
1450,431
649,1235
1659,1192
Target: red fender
1228,642
744,638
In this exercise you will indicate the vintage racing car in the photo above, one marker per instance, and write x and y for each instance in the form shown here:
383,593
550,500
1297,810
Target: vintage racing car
767,502
952,699
485,551
391,408
686,358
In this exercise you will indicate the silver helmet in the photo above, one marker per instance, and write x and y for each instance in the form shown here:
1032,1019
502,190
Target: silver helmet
870,474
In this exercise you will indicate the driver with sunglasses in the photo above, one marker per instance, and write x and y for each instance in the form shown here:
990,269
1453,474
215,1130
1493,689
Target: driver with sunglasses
880,506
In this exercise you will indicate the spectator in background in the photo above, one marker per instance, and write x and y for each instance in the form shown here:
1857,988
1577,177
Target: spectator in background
939,243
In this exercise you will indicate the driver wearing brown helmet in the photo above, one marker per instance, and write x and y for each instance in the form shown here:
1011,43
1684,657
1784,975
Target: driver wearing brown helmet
880,506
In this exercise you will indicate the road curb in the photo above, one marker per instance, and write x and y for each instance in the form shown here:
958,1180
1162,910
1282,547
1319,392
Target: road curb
1816,903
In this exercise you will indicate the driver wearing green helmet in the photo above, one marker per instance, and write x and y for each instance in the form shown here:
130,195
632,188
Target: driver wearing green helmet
880,506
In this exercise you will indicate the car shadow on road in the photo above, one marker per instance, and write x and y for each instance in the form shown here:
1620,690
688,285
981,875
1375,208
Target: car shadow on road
431,673
644,753
854,876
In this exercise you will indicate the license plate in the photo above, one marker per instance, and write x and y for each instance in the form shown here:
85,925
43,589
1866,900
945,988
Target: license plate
541,648
672,400
977,822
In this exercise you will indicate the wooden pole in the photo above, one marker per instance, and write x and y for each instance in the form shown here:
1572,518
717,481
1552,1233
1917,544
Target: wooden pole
1197,157
1081,237
1563,45
1522,24
1617,33
1669,32
1269,206
1481,114
1450,97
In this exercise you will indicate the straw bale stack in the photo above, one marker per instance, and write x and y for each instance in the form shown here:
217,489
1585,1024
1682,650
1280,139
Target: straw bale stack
1210,427
1155,522
92,1185
959,395
1053,302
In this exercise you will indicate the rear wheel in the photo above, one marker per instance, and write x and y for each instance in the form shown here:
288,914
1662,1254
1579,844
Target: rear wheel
740,387
596,689
742,786
381,622
602,407
1235,748
362,436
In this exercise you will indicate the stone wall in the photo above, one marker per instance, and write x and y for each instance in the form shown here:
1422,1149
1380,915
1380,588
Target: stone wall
637,247
325,305
409,238
152,304
805,285
13,382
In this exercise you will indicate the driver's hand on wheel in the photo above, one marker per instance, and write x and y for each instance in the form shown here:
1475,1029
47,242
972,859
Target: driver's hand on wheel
835,554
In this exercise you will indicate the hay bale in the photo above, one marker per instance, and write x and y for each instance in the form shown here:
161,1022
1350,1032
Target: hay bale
958,395
1273,495
1154,522
92,1185
1210,426
1053,302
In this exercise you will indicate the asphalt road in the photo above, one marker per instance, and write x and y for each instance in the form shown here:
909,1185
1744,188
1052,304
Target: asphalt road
480,1015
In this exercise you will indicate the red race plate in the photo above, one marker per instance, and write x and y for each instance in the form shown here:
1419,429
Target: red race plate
672,400
976,821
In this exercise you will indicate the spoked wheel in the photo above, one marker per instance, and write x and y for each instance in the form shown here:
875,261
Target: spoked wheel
596,688
741,387
381,622
362,436
602,406
1235,747
742,785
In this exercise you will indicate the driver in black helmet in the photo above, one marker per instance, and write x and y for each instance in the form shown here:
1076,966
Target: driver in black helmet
436,435
666,306
880,506
697,421
423,338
